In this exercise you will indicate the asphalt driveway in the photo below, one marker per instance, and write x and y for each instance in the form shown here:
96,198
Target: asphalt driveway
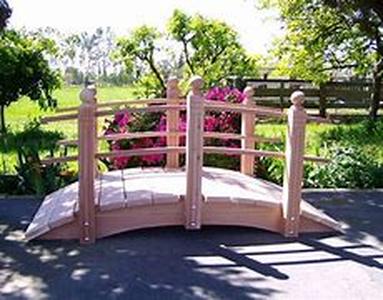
214,263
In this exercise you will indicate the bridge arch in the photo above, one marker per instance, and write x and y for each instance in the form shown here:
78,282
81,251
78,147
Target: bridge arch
99,205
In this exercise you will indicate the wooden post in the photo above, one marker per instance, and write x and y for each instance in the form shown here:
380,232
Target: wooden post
281,95
247,129
322,100
87,166
194,154
172,119
292,184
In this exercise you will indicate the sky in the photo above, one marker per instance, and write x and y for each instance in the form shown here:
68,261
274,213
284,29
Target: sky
256,29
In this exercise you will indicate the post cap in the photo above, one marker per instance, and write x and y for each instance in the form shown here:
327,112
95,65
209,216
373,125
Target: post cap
249,92
172,82
196,83
88,95
297,98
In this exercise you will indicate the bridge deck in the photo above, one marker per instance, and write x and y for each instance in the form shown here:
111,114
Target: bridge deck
228,198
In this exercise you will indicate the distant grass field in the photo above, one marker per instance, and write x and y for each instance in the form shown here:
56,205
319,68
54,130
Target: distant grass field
20,113
24,111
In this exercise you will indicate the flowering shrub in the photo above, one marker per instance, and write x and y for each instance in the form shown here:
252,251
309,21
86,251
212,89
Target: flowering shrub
225,122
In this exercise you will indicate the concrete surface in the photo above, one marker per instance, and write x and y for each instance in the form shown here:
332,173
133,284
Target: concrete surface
215,263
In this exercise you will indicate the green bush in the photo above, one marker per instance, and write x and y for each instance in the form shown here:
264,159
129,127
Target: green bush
350,167
33,177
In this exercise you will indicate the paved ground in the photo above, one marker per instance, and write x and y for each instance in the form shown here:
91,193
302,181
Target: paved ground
215,263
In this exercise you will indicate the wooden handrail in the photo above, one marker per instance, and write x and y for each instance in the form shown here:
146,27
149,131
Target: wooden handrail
142,109
140,152
164,150
240,109
259,153
119,103
319,120
149,134
53,160
64,117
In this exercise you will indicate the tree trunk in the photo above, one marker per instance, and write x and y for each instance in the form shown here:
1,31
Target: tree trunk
3,128
377,88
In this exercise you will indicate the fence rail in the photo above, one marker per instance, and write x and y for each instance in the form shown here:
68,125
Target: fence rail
333,94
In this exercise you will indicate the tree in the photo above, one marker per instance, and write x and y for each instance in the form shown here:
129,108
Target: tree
210,48
192,45
327,35
140,48
25,71
5,13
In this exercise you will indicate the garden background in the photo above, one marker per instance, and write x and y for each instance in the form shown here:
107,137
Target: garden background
138,64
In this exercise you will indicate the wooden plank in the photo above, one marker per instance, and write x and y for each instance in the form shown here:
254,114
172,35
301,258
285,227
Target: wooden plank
137,192
293,175
64,117
172,119
112,191
240,109
64,206
40,222
87,166
194,154
140,152
112,222
154,108
221,185
247,129
232,214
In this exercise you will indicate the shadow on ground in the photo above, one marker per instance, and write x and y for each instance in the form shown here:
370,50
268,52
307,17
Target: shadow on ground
171,263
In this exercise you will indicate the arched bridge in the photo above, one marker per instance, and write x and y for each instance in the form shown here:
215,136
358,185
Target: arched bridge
99,205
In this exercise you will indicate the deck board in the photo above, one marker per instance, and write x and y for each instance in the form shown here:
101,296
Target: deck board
132,188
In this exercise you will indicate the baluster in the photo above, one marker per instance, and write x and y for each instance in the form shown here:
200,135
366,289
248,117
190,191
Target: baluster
172,122
194,154
87,165
292,184
247,130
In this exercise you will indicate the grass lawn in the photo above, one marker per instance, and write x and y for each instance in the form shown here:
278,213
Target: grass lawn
20,113
24,111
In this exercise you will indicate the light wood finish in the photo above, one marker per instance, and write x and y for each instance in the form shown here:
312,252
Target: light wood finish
155,197
247,129
87,163
238,108
136,135
63,117
164,150
153,108
194,154
143,151
173,94
53,160
292,183
118,103
258,153
129,199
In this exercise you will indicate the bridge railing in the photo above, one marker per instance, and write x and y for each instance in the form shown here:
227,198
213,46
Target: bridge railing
196,106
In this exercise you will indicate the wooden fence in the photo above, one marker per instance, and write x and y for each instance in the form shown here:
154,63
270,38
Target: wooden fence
333,94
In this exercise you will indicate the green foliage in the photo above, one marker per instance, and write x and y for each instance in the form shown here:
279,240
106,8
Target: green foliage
355,152
140,47
350,167
209,48
34,178
25,71
323,36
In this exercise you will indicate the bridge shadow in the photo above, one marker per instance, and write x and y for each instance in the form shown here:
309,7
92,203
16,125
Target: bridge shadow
165,263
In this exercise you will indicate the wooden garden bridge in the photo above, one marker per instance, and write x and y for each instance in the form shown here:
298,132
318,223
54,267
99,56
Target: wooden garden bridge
99,205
